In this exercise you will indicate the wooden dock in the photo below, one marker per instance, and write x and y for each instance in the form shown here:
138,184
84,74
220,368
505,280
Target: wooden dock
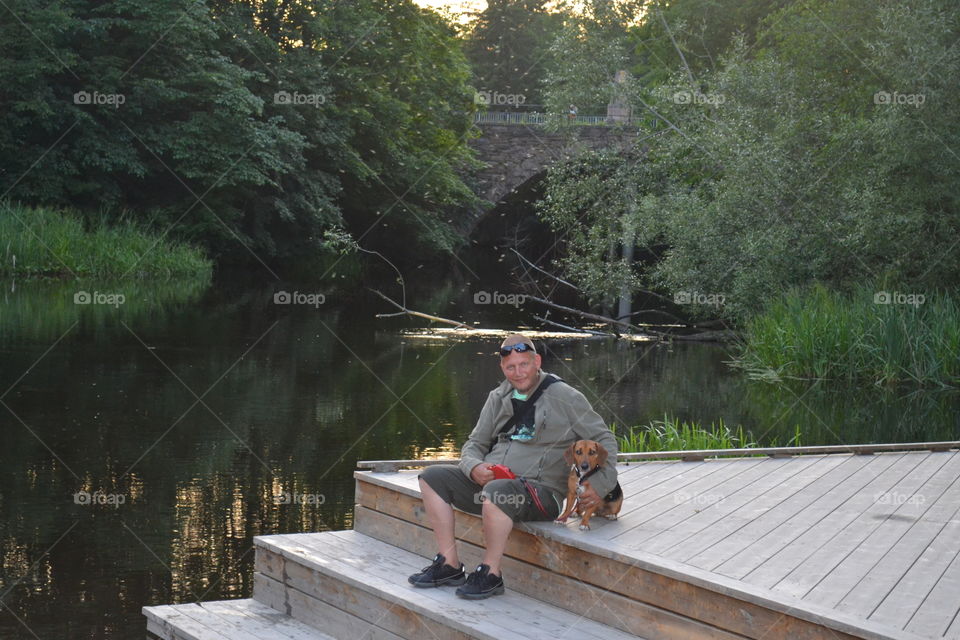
824,545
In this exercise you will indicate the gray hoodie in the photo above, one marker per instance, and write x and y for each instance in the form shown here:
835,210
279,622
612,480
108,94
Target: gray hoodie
563,416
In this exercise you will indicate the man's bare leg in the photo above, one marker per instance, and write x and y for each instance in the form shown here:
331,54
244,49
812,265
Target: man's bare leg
440,516
496,529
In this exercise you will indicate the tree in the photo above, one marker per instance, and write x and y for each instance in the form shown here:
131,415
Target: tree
507,47
252,127
814,158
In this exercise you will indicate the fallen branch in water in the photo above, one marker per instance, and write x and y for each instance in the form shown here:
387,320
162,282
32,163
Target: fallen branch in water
575,329
410,312
703,336
585,314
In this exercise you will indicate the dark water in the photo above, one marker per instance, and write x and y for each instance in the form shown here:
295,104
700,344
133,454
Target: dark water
196,417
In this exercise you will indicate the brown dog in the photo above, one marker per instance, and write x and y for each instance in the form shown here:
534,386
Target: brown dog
586,457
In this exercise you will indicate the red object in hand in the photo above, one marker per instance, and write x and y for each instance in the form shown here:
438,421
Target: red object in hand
501,472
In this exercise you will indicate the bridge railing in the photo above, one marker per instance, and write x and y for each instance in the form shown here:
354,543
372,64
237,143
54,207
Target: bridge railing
534,118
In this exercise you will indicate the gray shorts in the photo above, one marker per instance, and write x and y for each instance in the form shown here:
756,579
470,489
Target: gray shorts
455,488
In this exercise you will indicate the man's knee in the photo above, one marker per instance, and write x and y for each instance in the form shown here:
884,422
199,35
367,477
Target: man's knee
448,483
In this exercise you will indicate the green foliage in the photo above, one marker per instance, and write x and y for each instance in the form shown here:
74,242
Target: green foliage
695,33
794,162
506,46
249,127
821,334
41,241
593,45
672,434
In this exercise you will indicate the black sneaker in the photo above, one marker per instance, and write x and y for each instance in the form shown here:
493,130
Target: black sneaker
481,584
438,574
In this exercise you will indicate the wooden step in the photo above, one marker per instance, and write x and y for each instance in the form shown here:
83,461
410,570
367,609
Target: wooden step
226,620
592,574
367,578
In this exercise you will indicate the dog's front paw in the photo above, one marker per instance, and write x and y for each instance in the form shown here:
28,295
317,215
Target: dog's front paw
584,527
560,521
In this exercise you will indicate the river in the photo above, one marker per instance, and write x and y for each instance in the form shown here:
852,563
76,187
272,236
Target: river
146,441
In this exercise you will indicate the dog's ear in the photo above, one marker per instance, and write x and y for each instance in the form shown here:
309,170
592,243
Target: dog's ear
601,455
568,454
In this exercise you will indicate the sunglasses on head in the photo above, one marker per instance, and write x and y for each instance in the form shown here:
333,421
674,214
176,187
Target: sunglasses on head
520,347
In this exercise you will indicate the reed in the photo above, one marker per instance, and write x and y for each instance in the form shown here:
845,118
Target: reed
875,334
672,434
45,242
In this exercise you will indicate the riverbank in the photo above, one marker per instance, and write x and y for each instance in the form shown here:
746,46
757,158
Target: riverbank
42,242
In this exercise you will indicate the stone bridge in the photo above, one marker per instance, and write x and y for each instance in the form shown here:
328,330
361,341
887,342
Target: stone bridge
515,154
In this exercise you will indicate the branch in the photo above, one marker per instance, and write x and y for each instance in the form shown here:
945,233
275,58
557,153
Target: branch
410,312
675,46
546,273
574,329
584,314
702,336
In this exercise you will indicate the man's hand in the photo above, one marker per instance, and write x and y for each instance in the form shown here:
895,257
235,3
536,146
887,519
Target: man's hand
590,498
482,474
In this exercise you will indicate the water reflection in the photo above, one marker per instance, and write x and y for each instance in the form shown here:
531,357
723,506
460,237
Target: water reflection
219,416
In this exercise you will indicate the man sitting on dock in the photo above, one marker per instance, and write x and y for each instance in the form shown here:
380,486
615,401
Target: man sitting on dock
526,424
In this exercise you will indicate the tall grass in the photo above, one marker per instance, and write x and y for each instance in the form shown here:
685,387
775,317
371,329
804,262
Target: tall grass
828,335
44,242
671,434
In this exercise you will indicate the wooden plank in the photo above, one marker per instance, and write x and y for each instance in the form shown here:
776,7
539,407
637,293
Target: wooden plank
886,470
835,568
701,454
751,510
567,592
380,571
680,520
937,615
893,565
819,526
374,608
633,477
174,624
723,555
706,511
669,586
314,612
252,620
656,496
900,605
385,568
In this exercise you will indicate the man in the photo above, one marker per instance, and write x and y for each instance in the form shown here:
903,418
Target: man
528,434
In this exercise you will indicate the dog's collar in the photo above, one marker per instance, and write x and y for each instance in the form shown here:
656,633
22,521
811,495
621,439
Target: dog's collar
586,475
